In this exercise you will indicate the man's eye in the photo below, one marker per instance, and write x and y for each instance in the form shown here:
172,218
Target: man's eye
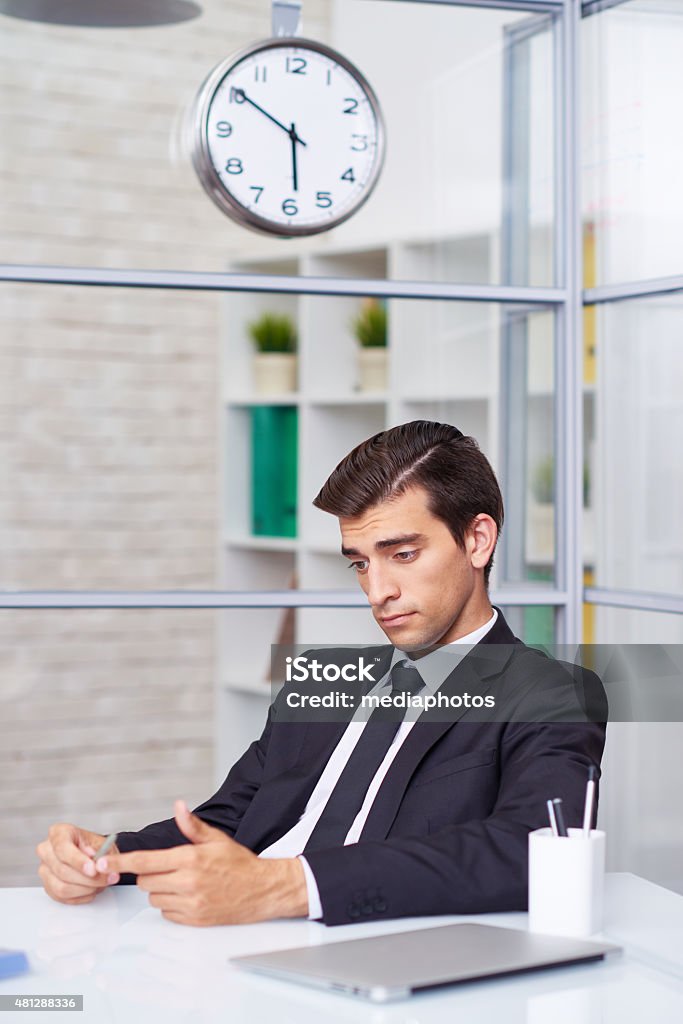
358,566
405,556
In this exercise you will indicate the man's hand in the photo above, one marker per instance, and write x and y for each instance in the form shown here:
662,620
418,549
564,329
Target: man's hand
66,867
214,880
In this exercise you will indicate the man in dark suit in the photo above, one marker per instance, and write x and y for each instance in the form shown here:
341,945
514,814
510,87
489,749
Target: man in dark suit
403,814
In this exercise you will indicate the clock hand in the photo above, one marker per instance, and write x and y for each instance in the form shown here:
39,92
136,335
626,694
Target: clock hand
294,139
246,99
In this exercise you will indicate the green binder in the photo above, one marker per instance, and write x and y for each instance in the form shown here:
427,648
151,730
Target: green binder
274,430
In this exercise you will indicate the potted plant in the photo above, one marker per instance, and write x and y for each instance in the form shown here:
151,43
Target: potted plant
274,365
543,482
370,329
541,511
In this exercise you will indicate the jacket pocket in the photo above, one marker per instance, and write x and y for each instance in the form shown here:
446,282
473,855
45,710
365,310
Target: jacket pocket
473,759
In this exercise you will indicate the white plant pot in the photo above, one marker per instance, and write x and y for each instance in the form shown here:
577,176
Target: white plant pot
274,373
372,369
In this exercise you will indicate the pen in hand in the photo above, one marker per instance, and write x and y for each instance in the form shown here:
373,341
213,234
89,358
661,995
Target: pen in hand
106,845
590,801
89,866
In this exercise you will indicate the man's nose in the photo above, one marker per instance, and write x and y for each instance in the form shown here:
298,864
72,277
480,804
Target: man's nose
382,586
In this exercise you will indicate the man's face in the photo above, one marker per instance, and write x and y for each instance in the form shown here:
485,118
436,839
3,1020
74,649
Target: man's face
423,589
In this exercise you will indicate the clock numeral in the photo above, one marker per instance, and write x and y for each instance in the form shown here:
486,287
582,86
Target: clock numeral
329,76
258,189
360,144
224,129
297,65
348,175
237,95
234,166
323,200
352,106
289,207
260,73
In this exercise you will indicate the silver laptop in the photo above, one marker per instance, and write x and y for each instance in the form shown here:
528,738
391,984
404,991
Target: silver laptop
390,967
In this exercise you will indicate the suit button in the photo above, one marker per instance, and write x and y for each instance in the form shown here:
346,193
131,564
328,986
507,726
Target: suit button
380,906
353,910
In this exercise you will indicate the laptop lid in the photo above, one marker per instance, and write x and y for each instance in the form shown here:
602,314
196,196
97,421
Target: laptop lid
389,967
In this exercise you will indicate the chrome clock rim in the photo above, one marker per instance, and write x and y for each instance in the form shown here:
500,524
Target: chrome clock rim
201,155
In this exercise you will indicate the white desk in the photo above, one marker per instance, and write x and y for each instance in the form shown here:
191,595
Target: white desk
134,967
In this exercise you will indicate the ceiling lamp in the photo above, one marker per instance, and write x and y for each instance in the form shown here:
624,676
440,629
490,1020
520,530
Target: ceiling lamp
102,13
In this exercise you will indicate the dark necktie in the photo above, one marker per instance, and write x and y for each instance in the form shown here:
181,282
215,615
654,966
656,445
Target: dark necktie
346,799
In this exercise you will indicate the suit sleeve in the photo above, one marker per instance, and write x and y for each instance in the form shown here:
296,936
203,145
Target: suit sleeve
478,866
224,810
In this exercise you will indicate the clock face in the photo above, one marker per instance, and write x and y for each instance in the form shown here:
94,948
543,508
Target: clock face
289,137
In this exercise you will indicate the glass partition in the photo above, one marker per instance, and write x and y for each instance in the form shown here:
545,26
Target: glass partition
142,450
633,438
632,80
105,717
102,177
110,461
634,625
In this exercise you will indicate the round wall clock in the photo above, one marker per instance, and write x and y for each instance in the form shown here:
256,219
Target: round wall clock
289,137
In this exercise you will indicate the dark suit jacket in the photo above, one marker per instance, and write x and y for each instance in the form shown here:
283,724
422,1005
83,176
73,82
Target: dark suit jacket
447,832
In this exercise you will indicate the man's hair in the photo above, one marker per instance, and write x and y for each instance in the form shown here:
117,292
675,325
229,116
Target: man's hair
448,464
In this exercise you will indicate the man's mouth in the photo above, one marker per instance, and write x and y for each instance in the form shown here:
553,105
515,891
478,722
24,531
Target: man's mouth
395,620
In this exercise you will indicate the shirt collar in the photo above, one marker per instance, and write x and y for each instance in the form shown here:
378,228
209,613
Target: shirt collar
437,666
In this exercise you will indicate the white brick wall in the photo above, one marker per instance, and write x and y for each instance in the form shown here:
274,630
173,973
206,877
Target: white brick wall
109,445
108,422
105,719
93,163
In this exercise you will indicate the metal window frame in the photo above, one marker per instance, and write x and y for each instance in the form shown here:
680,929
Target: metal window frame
632,290
568,593
185,280
512,5
641,599
569,343
531,595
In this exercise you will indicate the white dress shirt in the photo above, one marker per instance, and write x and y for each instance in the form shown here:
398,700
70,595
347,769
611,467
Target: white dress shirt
433,669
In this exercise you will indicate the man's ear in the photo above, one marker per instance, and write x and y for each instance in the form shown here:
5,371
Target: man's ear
481,540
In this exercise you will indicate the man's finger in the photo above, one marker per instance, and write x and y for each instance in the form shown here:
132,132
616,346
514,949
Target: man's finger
68,874
61,890
71,902
171,915
193,828
146,862
170,901
167,882
67,852
88,849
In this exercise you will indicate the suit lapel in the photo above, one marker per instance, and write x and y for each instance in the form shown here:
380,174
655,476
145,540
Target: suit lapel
286,796
278,805
475,674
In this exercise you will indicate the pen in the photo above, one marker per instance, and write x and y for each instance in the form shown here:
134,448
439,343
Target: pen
559,817
551,815
590,802
106,845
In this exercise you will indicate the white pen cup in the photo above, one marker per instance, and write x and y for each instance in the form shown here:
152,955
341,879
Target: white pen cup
566,880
